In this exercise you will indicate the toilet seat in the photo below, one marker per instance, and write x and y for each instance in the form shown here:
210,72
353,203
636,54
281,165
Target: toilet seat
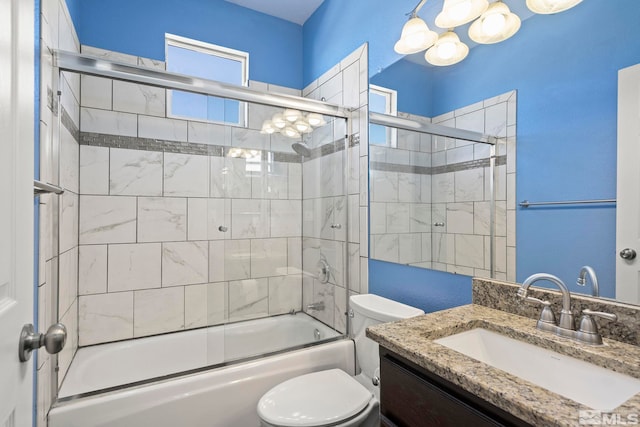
316,399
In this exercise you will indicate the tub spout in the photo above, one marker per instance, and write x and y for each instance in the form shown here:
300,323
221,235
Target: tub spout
316,306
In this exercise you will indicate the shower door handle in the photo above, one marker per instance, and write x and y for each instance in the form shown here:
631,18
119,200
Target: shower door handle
53,341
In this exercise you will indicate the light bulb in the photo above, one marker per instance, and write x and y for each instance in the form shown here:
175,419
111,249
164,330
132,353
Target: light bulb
291,115
459,10
278,121
446,50
498,23
493,24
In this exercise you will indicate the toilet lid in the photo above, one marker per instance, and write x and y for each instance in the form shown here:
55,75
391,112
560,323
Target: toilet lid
315,399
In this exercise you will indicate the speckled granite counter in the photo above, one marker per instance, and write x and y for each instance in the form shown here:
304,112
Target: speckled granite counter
413,340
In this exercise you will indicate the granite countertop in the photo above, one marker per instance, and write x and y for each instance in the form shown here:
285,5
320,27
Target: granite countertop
414,338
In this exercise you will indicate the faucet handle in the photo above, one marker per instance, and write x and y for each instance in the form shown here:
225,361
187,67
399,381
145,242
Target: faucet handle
522,293
546,315
588,331
608,316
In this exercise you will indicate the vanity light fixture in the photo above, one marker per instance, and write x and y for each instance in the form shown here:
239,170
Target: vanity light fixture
448,50
496,24
459,12
551,6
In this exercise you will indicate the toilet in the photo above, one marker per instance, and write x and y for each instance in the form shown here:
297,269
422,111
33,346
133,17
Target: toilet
333,397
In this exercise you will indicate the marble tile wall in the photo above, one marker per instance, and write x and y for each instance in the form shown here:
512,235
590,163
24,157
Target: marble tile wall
430,199
58,228
324,202
155,193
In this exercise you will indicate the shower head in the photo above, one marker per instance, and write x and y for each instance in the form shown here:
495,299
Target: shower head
301,148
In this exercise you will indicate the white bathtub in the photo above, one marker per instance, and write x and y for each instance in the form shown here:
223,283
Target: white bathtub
225,396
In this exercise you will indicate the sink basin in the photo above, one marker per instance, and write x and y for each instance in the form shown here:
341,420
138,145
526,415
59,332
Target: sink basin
585,383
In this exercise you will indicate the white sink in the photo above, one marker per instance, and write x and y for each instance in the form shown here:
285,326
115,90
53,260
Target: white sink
585,383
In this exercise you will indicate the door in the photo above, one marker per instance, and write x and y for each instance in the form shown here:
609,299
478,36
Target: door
16,206
628,192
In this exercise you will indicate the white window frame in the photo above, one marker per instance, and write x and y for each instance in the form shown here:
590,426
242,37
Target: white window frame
209,49
391,108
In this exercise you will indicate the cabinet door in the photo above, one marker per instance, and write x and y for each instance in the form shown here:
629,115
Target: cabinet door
411,401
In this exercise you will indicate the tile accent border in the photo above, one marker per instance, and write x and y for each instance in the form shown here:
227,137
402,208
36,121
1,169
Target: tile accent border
159,145
427,170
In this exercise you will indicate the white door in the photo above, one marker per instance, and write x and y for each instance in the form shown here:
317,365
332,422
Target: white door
628,197
16,206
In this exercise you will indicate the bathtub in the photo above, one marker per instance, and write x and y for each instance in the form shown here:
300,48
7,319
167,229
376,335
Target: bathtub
92,394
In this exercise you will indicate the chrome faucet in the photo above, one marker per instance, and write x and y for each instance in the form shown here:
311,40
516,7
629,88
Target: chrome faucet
588,330
316,306
582,279
566,316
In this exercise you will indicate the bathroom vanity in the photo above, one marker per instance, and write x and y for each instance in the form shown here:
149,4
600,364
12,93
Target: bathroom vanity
424,382
413,396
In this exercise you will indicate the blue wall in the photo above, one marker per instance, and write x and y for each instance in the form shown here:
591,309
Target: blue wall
338,27
137,27
429,290
414,84
74,9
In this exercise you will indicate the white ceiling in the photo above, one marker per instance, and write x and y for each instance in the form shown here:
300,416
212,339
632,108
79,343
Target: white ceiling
297,11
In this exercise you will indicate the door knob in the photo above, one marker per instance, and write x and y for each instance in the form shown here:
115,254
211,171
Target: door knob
53,341
628,254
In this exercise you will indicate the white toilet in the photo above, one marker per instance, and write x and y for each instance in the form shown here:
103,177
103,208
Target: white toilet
332,397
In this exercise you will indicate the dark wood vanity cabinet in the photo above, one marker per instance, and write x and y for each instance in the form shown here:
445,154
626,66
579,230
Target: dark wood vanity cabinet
410,396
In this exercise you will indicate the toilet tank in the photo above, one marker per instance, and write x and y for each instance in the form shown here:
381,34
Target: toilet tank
369,310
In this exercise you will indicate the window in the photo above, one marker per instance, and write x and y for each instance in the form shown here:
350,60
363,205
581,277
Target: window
207,61
382,100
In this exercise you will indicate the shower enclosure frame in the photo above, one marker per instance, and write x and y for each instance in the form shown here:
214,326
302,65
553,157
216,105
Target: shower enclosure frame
415,125
82,64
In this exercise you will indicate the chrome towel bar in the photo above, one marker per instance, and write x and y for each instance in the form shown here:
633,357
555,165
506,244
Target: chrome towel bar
526,203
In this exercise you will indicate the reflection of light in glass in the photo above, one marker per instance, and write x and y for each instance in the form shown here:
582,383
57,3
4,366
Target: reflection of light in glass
316,119
303,126
279,121
268,127
292,115
290,132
